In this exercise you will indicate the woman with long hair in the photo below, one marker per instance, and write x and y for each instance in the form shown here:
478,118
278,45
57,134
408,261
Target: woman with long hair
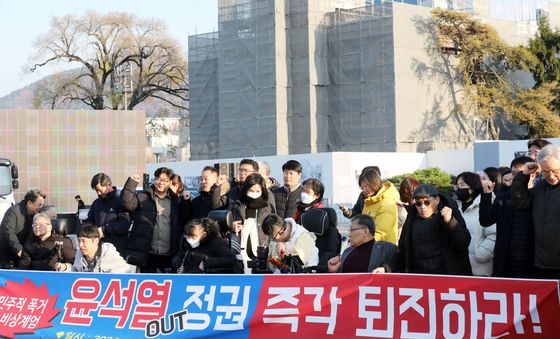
468,188
249,211
381,204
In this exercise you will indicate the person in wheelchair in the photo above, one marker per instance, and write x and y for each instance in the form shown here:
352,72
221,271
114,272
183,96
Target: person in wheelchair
93,255
289,238
203,250
44,249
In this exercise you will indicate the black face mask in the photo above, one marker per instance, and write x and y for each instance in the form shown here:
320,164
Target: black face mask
463,194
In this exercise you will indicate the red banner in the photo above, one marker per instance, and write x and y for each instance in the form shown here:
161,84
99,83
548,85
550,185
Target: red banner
405,306
89,305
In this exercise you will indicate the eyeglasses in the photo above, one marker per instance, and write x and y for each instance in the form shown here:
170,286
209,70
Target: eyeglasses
425,202
279,233
357,228
555,171
244,170
39,225
165,181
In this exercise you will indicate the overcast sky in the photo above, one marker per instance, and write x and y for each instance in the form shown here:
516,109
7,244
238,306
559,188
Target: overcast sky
21,21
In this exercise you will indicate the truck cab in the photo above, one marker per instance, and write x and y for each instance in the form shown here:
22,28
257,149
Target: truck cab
8,183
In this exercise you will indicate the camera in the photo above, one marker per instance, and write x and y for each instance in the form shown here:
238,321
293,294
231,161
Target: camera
259,264
292,264
58,249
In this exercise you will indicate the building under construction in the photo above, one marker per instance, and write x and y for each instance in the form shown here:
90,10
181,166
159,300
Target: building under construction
306,76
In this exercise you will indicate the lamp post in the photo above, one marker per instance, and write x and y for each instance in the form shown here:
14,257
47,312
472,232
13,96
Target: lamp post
123,82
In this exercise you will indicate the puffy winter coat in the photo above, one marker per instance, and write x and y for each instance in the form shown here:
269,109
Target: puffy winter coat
213,251
382,207
108,213
453,239
108,260
142,206
483,239
42,255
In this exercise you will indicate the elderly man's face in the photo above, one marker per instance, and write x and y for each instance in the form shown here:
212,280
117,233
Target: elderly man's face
358,234
550,169
426,207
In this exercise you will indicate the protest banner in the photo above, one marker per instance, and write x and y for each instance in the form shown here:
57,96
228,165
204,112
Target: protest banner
88,305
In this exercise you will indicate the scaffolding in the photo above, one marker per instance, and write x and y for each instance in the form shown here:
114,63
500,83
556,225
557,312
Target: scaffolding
295,76
247,78
203,79
361,75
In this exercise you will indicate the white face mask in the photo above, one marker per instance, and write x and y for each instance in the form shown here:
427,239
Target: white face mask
306,198
254,195
193,242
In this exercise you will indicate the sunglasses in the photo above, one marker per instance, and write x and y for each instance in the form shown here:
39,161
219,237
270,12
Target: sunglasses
425,202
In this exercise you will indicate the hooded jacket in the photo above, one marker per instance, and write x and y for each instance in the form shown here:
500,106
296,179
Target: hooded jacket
108,260
382,207
453,238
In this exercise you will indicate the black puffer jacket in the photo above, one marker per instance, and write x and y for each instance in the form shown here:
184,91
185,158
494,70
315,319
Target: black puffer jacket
43,255
108,213
514,234
453,238
543,200
142,206
286,201
213,251
200,206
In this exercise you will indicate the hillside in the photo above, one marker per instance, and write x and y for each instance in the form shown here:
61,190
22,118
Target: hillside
23,99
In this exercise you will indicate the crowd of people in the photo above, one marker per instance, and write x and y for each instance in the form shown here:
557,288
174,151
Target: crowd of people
500,222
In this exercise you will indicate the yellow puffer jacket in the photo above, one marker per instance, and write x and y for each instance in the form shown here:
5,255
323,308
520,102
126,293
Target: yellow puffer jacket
382,207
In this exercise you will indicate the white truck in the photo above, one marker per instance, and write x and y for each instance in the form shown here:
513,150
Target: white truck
8,183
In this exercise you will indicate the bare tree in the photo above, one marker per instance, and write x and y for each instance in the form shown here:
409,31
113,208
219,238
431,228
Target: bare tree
101,44
52,92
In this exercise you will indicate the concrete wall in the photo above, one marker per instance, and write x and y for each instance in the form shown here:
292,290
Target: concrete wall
426,86
453,161
499,152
